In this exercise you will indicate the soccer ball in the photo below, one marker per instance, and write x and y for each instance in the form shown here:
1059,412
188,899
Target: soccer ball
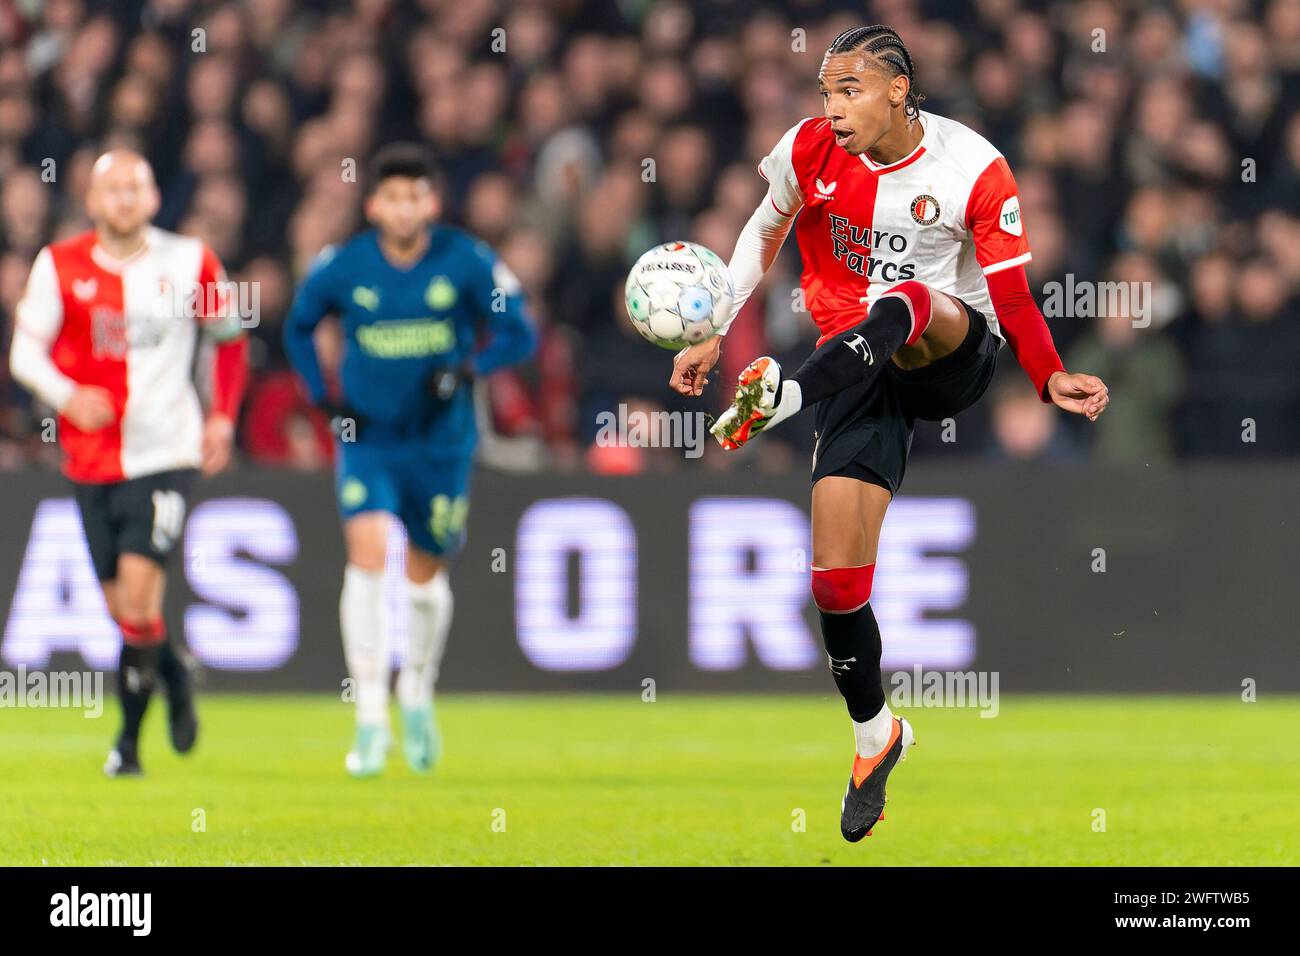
679,294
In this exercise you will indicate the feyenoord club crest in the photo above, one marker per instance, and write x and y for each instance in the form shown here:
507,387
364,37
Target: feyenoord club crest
925,210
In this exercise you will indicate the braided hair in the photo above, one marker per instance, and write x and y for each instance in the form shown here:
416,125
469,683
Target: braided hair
886,46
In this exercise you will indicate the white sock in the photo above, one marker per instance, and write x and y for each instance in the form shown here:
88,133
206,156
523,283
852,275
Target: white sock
872,735
365,642
791,401
426,636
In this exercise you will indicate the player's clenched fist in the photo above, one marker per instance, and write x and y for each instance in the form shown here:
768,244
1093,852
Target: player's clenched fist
692,364
90,408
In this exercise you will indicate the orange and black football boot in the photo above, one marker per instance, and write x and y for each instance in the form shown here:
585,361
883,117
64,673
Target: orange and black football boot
864,801
755,407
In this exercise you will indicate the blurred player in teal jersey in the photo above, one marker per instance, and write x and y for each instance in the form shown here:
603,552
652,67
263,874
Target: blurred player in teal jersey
425,309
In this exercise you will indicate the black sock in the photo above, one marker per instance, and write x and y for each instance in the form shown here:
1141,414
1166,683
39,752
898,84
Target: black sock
136,674
177,681
170,668
853,643
857,355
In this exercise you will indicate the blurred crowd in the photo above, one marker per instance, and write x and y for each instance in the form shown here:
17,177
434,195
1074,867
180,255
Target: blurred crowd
1153,143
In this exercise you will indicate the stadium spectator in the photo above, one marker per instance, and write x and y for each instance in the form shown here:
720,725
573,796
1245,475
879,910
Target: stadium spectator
1141,363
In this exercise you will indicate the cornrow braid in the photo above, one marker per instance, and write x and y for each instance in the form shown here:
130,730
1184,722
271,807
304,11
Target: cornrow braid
887,47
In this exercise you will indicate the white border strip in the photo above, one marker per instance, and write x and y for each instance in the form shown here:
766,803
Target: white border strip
1008,263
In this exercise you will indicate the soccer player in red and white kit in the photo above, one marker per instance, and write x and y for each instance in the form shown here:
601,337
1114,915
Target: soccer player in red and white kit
106,334
913,253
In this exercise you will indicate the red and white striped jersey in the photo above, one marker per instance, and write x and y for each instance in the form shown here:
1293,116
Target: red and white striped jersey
125,326
947,215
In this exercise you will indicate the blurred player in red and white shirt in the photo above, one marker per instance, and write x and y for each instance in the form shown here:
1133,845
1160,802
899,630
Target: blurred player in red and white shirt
106,334
913,252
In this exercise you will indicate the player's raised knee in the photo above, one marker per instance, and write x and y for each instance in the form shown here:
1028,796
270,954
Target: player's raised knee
918,300
842,590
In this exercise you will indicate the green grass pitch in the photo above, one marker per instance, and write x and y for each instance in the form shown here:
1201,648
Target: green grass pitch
684,780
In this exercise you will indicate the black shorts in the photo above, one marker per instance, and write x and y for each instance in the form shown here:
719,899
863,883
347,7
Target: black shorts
138,516
865,432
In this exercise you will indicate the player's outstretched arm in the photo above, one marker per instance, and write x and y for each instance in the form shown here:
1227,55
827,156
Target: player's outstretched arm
1031,341
756,249
1002,249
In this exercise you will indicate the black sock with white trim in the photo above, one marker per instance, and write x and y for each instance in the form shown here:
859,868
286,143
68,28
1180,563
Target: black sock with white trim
898,318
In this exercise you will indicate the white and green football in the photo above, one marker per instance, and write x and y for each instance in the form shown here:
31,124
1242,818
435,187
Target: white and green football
679,294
